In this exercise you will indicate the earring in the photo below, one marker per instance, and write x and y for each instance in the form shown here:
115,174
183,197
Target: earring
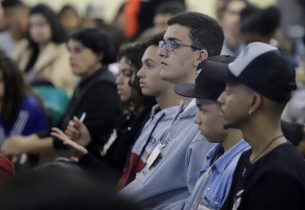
250,112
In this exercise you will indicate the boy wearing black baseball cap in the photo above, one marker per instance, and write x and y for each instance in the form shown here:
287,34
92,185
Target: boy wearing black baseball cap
259,84
219,164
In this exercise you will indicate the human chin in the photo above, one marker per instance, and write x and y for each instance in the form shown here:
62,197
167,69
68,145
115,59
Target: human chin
146,92
165,75
228,125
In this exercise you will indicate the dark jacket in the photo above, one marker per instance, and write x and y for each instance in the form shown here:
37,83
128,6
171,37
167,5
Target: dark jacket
97,96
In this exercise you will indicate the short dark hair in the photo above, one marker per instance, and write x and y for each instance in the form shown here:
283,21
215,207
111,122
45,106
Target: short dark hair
294,132
154,40
96,40
14,89
261,21
11,3
205,32
133,53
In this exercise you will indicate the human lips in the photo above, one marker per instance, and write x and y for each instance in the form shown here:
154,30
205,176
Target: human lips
120,91
163,64
142,83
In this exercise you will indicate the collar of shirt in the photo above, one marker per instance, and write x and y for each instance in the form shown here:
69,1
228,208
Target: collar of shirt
223,161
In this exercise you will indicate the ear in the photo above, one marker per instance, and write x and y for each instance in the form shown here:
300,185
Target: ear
256,102
200,56
100,56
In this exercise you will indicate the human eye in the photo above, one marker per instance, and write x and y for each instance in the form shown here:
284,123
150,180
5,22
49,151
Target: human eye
78,49
127,72
173,44
150,64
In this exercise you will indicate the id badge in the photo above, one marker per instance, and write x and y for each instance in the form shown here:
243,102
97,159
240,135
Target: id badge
153,156
237,200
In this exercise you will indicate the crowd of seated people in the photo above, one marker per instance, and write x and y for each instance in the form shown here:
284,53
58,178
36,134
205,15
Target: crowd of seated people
163,108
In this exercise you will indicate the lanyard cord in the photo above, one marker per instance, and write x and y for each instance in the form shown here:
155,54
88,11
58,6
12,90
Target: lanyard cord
146,143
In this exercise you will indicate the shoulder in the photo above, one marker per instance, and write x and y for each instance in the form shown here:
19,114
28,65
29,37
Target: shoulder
30,102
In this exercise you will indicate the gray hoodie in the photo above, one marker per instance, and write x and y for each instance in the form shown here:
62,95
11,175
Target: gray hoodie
174,176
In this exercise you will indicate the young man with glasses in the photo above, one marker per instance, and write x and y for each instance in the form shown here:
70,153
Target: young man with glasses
173,166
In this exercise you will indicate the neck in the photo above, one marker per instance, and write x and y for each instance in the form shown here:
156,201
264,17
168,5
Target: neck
186,100
168,98
232,40
42,47
263,136
94,69
233,136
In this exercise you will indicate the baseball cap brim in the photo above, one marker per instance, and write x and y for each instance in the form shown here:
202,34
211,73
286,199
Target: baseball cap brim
186,90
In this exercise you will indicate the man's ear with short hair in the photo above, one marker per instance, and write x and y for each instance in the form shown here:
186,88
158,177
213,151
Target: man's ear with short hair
257,101
200,56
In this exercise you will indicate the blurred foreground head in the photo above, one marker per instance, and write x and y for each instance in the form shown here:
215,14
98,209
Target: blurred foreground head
57,188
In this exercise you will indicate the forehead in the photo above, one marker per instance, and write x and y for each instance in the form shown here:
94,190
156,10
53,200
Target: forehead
37,17
205,102
239,88
124,63
74,43
177,32
151,53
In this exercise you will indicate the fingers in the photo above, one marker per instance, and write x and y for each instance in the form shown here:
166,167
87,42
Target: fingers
61,136
72,130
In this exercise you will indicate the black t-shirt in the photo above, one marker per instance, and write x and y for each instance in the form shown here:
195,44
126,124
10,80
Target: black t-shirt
274,182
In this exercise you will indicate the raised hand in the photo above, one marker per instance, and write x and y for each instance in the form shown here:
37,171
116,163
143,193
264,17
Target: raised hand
67,141
78,132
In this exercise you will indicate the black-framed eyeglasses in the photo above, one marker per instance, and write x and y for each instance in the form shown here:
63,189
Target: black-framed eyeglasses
171,45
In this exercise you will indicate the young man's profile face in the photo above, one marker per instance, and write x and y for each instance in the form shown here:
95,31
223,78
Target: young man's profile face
235,104
149,75
209,121
177,65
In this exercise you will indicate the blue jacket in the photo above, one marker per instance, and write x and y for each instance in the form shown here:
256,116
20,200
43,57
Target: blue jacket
30,119
174,175
214,184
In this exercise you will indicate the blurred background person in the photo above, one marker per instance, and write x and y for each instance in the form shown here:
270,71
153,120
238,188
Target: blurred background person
20,111
15,19
295,133
69,18
161,15
138,16
90,51
136,109
259,25
43,56
228,14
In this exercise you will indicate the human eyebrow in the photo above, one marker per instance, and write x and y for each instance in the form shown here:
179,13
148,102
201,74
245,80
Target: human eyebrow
173,39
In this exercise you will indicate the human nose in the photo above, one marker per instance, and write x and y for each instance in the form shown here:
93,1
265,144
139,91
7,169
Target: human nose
197,119
119,79
162,52
140,73
221,98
